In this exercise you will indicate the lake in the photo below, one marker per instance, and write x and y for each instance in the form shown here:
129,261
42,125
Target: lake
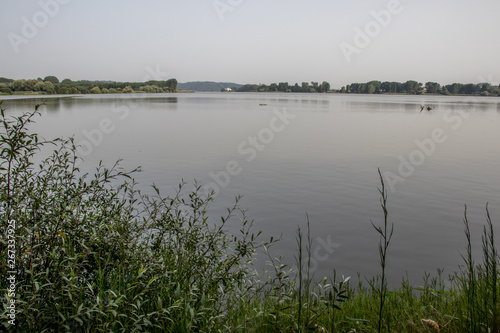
288,154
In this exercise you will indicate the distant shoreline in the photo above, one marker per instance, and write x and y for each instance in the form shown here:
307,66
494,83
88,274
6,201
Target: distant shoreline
50,85
5,97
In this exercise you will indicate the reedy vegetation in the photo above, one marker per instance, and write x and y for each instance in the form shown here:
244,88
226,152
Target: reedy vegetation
385,240
94,254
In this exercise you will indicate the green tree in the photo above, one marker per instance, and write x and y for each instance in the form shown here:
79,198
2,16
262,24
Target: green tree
283,86
64,91
4,89
18,85
355,88
325,86
444,91
468,89
391,87
172,85
262,88
385,87
46,87
484,86
494,90
432,87
95,90
373,87
128,90
305,87
413,87
454,88
151,89
30,85
52,79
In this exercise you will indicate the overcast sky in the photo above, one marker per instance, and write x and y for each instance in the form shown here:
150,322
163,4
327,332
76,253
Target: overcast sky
252,41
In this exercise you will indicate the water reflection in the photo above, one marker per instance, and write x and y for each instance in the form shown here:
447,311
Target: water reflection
54,104
162,100
23,104
68,103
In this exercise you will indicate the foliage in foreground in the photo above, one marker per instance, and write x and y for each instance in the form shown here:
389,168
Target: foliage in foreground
93,254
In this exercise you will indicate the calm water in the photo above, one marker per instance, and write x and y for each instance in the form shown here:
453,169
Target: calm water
288,154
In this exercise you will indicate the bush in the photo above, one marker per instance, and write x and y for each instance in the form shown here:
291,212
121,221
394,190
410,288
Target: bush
95,90
94,254
128,90
4,89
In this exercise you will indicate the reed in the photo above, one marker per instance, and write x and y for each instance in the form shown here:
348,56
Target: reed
490,274
385,240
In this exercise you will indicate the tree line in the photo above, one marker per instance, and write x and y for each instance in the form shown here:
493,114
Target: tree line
305,87
51,85
418,88
377,87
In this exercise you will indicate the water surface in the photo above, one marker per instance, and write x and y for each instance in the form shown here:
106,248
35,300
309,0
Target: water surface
321,159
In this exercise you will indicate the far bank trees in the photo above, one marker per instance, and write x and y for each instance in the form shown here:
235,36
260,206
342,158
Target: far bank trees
51,85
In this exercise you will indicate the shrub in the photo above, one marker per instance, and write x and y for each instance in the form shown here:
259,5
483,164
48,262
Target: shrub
94,254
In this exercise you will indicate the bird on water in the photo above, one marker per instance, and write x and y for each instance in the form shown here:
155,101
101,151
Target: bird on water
429,108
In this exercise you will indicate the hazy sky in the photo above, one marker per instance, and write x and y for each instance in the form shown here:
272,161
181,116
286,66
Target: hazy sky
252,41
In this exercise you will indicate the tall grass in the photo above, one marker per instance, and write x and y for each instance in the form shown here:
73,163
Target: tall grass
490,275
94,254
385,240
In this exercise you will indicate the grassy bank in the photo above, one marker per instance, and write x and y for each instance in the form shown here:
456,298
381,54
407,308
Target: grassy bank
91,253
